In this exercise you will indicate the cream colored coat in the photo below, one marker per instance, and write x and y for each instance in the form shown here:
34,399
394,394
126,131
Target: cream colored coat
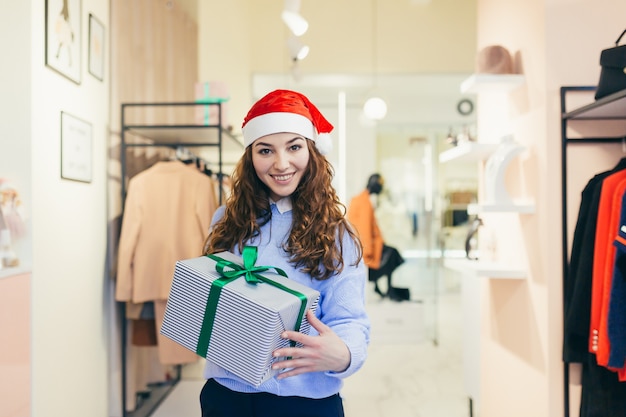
167,214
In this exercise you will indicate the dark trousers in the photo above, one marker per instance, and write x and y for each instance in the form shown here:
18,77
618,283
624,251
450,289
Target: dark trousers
219,401
390,260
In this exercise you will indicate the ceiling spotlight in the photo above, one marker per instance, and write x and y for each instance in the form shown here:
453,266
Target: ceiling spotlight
297,50
296,23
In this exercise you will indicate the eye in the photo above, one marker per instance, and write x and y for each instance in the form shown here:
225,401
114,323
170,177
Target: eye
263,151
295,147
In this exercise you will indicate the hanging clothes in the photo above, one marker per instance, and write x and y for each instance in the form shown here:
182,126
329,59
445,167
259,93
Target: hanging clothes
613,187
616,312
593,253
577,285
167,214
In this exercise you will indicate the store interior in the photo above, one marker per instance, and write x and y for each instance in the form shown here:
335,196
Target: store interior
58,280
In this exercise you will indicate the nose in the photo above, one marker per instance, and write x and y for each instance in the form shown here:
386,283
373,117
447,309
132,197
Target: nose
282,161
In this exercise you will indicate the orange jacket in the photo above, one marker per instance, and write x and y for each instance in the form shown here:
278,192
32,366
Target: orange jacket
608,222
361,216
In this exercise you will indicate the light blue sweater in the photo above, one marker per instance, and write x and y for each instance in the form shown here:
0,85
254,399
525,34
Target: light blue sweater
341,307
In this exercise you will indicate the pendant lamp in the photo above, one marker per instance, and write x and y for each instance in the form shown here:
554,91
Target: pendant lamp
375,107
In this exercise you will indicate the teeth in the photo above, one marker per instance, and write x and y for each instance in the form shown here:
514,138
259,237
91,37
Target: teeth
282,177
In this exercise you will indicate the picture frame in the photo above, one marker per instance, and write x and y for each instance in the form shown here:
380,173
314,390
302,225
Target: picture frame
76,148
96,47
64,38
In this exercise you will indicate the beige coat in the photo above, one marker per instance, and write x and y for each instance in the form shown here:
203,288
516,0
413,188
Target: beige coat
167,214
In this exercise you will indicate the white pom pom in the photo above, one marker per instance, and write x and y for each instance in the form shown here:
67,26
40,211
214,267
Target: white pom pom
324,143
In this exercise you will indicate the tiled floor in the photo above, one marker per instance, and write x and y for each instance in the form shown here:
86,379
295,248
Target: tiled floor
414,364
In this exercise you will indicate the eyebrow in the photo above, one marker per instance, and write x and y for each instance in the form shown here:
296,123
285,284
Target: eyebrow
289,142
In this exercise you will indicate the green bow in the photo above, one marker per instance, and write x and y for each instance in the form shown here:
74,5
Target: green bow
248,269
230,271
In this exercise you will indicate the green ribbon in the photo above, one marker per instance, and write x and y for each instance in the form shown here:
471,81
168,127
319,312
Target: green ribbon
229,272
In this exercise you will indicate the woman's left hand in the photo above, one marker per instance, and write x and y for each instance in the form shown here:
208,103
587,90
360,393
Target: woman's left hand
324,352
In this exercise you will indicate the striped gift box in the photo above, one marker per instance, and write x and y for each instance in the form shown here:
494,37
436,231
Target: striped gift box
239,325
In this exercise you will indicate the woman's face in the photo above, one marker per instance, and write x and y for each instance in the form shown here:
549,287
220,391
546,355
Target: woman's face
280,160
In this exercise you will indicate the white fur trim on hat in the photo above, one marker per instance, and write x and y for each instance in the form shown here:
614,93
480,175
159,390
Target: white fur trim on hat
279,122
324,143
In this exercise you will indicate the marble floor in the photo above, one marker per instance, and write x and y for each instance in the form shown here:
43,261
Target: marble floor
414,365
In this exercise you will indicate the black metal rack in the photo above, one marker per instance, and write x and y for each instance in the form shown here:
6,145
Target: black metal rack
185,134
609,108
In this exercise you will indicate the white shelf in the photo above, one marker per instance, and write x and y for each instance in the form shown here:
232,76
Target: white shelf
500,208
485,269
479,83
468,151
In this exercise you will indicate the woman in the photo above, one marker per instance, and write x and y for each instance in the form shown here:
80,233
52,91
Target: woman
282,202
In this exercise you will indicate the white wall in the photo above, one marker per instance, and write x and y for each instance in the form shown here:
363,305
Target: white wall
70,293
15,102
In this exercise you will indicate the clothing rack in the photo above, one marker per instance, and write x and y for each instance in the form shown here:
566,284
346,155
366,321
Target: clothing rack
180,137
612,107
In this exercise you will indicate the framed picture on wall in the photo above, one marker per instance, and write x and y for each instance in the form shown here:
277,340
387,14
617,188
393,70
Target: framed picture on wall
96,47
63,37
76,158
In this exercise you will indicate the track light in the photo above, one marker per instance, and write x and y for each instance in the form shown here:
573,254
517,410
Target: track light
296,23
297,50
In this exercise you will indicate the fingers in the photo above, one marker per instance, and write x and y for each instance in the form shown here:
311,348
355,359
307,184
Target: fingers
302,338
316,323
295,371
322,352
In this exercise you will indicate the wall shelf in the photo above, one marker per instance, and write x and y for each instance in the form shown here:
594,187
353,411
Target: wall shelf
485,269
479,83
468,151
607,108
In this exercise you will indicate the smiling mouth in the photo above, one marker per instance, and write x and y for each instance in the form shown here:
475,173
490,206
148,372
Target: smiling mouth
282,177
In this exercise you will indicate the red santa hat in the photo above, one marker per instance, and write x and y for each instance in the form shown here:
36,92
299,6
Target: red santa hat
287,111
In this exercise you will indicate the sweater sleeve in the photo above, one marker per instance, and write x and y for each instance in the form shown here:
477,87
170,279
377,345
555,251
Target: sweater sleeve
343,310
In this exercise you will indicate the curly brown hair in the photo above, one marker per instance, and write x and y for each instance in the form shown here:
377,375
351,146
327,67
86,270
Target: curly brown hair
319,222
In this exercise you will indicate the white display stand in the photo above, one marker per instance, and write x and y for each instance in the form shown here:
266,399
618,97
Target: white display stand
496,197
495,170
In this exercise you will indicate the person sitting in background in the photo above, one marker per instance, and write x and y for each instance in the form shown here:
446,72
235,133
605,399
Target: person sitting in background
380,258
